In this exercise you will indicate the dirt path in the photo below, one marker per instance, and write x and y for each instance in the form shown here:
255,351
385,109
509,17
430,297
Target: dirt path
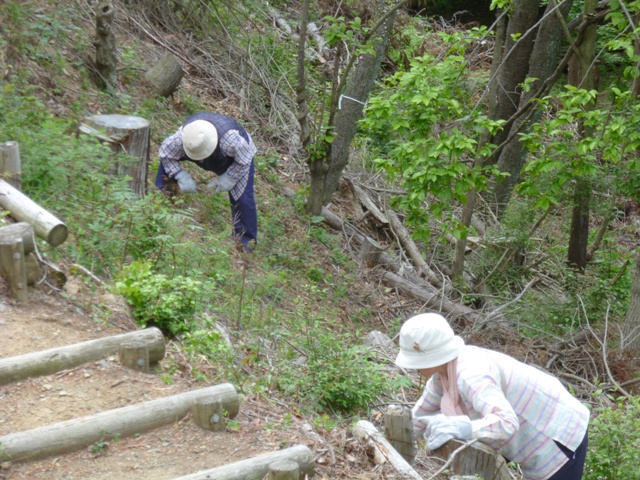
165,453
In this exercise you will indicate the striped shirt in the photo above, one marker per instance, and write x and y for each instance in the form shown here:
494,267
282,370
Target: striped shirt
232,144
514,408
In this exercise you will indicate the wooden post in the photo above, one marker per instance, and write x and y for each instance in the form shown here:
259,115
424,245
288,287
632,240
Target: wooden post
16,241
165,75
10,166
125,134
134,355
78,433
258,467
383,450
105,42
398,429
23,209
284,470
208,414
13,267
54,360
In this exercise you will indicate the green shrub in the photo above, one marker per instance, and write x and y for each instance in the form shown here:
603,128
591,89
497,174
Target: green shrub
170,303
614,442
336,376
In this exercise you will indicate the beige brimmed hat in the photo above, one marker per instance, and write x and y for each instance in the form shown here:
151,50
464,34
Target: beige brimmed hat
199,139
427,341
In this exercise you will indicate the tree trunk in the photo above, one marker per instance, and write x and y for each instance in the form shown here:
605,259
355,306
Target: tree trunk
515,65
581,76
325,177
105,43
541,66
631,327
579,238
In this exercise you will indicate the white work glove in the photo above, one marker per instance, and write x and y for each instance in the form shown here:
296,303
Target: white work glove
223,183
185,182
441,429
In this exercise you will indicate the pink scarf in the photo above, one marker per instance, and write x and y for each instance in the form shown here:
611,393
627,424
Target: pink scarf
450,404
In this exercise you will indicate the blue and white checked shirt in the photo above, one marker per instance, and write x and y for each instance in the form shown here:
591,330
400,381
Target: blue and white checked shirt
231,144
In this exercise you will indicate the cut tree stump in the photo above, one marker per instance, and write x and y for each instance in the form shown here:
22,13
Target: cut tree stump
123,422
23,209
125,134
257,468
398,429
370,252
383,451
476,459
10,166
54,360
165,75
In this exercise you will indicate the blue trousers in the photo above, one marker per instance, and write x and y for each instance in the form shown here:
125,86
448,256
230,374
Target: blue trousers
243,211
572,470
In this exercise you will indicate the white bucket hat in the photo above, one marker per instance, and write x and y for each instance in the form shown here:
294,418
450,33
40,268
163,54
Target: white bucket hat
427,341
199,139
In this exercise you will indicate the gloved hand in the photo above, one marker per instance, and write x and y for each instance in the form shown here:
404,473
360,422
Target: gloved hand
223,183
441,429
185,182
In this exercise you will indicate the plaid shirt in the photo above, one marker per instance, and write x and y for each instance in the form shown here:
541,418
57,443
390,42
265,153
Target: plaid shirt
231,144
514,408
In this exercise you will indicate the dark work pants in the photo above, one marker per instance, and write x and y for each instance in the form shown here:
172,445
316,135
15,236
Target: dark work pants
572,470
243,211
245,214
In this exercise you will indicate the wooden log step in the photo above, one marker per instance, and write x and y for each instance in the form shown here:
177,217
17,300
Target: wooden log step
123,422
23,209
257,468
54,360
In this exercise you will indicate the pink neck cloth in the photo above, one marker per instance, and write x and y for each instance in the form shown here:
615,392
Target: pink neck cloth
450,403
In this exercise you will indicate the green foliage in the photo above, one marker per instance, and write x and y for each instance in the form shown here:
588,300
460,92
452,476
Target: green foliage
336,376
614,442
561,156
170,303
425,131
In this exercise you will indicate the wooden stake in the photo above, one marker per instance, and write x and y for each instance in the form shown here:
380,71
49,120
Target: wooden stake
10,166
134,355
208,414
284,470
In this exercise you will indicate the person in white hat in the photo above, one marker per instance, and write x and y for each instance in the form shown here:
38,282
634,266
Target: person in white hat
218,144
476,393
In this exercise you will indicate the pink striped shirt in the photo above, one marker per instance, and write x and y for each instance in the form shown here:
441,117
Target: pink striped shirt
514,408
